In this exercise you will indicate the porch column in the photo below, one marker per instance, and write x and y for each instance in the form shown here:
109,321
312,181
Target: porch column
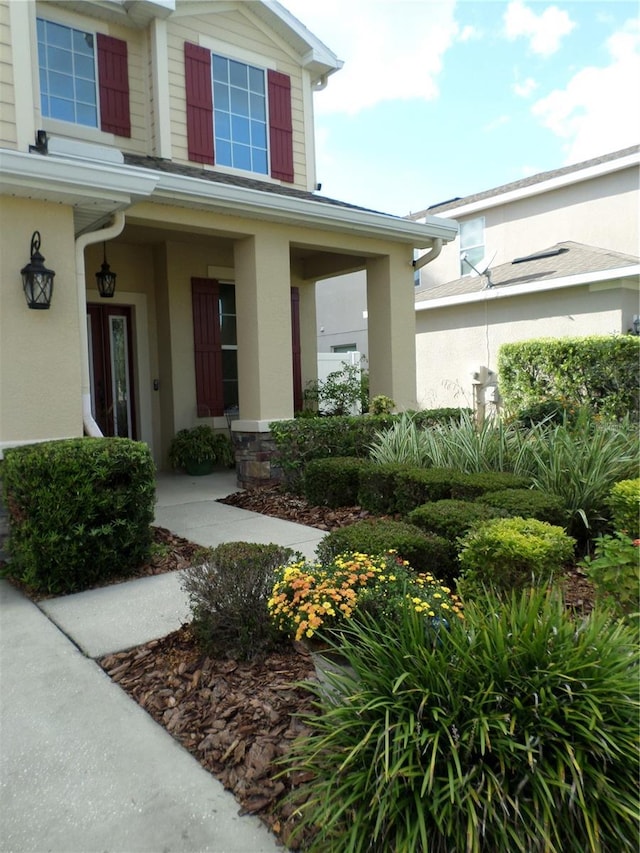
392,327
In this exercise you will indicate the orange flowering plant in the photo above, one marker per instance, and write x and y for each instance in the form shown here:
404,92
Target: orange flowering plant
308,597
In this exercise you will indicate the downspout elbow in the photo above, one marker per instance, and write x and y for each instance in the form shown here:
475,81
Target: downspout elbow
431,255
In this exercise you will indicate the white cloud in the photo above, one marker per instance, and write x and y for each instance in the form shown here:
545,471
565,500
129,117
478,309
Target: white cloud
545,31
393,49
497,123
597,112
526,88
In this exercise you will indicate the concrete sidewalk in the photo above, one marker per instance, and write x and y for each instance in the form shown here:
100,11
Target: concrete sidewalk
83,769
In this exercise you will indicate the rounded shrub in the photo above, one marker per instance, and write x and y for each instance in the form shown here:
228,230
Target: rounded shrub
425,552
624,503
511,553
450,518
334,481
228,595
528,503
514,731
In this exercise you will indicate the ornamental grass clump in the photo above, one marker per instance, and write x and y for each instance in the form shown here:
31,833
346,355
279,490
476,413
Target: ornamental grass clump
308,598
514,731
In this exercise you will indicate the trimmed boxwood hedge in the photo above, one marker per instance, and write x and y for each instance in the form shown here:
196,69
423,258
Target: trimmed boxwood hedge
471,486
418,486
80,511
334,482
528,503
425,552
451,518
378,487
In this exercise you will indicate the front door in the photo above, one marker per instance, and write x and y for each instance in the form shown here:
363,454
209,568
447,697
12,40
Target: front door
111,351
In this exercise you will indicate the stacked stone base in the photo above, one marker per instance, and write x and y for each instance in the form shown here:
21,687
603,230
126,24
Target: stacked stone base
255,459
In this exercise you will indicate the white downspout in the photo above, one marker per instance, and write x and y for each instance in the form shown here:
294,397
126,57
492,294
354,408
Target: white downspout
84,240
431,255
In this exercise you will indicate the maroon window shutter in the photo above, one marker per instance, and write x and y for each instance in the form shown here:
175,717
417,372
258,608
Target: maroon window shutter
280,126
113,82
207,347
295,347
197,72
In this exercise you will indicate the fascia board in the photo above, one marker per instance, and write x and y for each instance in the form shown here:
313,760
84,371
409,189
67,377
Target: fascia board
318,52
500,292
559,182
63,177
279,208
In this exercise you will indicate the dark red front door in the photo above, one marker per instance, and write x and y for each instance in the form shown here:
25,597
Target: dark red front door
111,361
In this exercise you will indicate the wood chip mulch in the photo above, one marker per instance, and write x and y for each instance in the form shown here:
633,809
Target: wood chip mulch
237,718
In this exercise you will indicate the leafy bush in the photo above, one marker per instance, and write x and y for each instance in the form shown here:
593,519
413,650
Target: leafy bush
417,486
302,439
342,391
451,518
511,553
545,411
199,445
404,442
381,405
471,486
614,571
527,503
308,598
423,551
624,503
333,482
228,596
79,511
378,488
514,731
601,373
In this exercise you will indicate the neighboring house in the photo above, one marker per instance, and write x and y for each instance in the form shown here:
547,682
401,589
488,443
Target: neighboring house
173,142
562,253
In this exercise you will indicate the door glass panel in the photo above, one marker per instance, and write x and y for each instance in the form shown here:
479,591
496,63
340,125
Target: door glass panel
120,377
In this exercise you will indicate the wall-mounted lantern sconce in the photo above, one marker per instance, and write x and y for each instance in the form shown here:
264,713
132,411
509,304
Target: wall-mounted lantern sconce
105,278
37,280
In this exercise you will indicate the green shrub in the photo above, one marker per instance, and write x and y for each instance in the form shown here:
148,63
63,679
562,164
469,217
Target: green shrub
514,731
381,405
200,445
614,571
299,440
511,553
451,518
79,511
600,373
228,595
472,486
545,411
624,503
333,482
378,491
417,486
425,552
527,503
341,391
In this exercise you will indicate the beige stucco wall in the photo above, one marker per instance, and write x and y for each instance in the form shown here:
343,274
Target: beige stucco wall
603,211
40,387
236,34
451,342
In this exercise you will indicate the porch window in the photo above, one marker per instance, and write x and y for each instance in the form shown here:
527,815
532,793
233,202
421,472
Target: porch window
471,243
84,77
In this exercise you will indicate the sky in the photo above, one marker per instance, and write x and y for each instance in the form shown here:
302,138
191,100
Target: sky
444,98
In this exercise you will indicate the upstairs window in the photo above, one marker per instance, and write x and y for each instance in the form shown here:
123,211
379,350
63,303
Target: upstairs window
238,115
471,244
84,78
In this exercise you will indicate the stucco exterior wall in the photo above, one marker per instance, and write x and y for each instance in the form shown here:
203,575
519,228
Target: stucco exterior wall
603,211
237,35
452,341
40,388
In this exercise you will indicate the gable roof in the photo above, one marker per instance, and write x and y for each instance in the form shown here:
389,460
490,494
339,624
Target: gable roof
559,265
567,174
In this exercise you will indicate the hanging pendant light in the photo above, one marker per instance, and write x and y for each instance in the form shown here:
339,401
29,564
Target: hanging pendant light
105,278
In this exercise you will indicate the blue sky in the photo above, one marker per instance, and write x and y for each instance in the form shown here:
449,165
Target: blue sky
439,98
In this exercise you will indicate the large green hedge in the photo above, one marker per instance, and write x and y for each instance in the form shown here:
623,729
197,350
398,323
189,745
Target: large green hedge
300,440
80,511
601,373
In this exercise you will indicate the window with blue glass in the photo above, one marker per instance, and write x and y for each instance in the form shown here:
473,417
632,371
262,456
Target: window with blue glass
240,115
66,59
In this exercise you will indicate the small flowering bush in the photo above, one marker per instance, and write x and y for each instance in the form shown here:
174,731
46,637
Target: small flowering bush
308,597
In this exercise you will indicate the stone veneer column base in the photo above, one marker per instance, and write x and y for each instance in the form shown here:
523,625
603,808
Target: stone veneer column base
255,452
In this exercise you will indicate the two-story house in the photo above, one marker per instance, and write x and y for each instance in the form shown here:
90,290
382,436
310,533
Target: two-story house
171,142
553,255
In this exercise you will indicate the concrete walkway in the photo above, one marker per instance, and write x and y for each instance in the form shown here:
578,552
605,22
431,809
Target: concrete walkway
83,769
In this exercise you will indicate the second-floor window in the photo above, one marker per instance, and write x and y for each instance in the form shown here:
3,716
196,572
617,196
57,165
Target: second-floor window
240,115
471,244
67,74
84,77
